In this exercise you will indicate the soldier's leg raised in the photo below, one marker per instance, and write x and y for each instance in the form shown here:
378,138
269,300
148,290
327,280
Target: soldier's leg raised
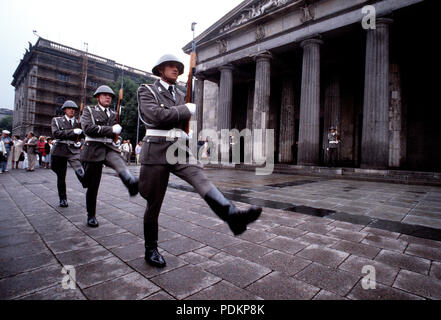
114,160
75,163
237,219
59,166
152,187
93,171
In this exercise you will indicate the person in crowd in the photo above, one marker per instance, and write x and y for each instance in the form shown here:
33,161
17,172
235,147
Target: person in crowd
17,153
7,145
31,144
41,150
138,152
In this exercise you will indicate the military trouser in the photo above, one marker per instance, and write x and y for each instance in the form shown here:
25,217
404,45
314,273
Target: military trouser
93,172
59,166
333,154
153,183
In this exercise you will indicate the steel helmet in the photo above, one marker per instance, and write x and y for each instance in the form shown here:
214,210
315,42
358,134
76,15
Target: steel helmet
168,58
332,128
104,89
69,104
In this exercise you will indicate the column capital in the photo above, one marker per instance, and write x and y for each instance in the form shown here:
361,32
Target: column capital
265,55
311,41
226,67
384,21
200,76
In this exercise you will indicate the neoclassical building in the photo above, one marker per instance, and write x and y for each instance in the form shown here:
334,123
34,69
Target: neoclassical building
300,67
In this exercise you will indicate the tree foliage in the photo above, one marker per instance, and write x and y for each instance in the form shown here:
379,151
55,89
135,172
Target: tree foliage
6,123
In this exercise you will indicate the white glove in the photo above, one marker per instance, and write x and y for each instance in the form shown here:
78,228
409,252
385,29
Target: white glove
191,107
77,144
78,131
117,129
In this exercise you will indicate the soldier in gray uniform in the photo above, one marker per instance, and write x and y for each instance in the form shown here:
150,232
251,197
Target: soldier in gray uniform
165,114
66,130
99,126
333,142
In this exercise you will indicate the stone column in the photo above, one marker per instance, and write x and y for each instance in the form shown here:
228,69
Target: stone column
397,121
287,122
262,90
309,127
250,106
225,97
375,140
331,109
199,101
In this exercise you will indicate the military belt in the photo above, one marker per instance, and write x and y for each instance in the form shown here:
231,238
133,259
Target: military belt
69,142
173,134
103,140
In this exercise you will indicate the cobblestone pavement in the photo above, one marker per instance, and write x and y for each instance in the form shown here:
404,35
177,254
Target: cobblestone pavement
312,241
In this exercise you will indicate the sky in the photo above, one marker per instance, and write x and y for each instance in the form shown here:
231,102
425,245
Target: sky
131,32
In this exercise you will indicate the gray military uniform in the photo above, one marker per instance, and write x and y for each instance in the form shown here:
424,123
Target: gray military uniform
98,150
64,151
159,110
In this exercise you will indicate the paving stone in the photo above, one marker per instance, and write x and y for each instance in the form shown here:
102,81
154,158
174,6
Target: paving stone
384,273
315,227
318,239
30,282
284,263
277,286
379,232
403,261
380,292
347,235
223,291
288,232
84,256
326,295
132,286
141,266
185,281
91,274
160,296
336,281
257,236
346,226
323,255
24,249
193,258
285,244
56,293
358,249
248,250
421,241
418,284
71,244
207,251
13,266
240,272
424,252
118,240
16,239
181,245
435,270
386,243
130,252
104,230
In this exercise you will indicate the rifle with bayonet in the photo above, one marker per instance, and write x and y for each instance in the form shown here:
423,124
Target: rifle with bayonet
116,139
189,97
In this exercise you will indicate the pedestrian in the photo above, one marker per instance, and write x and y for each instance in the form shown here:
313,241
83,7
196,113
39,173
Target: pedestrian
165,114
333,142
31,144
7,145
41,150
129,152
138,152
124,150
48,149
66,130
17,153
100,127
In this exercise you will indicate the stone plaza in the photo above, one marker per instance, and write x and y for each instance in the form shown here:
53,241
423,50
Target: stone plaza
313,240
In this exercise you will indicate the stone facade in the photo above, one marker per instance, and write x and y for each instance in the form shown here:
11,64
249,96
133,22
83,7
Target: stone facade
299,67
51,73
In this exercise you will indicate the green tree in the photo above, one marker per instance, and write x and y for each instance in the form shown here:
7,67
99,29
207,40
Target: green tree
6,123
129,112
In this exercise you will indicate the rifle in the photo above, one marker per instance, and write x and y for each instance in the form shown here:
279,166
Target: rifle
189,97
118,107
83,97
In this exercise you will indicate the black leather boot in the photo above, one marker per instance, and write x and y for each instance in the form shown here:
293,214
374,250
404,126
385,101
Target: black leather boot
130,181
237,219
80,175
63,202
92,222
153,257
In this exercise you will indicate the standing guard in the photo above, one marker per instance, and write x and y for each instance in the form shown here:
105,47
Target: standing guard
99,125
163,110
66,130
333,142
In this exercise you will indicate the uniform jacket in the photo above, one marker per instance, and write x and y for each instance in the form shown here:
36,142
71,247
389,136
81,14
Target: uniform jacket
332,137
63,131
158,110
97,125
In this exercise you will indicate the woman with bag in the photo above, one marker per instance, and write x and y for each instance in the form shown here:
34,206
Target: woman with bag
17,152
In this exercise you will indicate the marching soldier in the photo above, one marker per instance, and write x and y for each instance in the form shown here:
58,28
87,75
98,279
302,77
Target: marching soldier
99,126
66,130
164,112
333,141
